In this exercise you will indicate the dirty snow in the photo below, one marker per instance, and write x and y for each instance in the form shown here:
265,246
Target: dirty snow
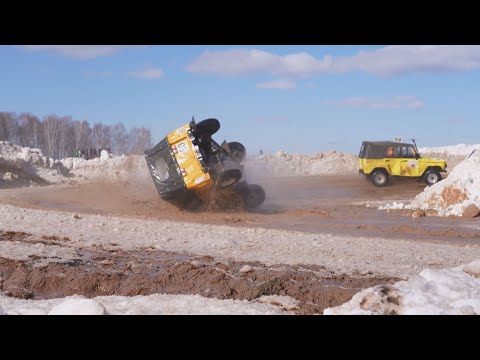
32,165
27,165
433,292
354,256
108,168
452,195
157,304
286,302
452,150
283,163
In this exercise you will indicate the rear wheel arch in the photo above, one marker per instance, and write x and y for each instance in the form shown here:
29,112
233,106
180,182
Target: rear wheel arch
430,168
380,169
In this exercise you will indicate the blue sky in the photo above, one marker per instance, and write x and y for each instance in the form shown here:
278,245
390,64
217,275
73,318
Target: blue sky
295,98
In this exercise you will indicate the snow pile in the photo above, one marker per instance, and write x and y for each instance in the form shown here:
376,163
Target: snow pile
282,163
454,194
394,206
453,150
157,304
433,292
108,167
78,306
27,165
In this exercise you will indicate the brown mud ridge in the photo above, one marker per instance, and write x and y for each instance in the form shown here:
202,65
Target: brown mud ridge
100,272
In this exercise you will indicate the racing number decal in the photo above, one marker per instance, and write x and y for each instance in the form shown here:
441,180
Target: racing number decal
182,147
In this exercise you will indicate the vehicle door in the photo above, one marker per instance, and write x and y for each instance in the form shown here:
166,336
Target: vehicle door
407,161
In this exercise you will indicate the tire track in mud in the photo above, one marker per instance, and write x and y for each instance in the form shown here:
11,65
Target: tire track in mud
100,272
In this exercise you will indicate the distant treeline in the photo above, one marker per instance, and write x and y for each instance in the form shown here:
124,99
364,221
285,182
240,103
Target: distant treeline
60,136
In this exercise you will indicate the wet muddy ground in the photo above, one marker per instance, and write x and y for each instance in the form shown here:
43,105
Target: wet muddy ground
316,204
326,204
100,272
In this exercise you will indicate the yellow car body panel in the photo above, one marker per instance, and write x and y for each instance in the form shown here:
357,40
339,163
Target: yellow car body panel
409,167
187,157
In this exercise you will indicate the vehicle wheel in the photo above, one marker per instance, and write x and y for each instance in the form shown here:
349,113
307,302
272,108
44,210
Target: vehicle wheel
432,177
253,196
379,178
229,178
237,151
207,126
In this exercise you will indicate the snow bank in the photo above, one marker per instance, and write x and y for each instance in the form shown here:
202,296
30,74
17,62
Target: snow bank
30,164
107,167
76,306
26,165
282,163
156,304
453,291
453,150
454,194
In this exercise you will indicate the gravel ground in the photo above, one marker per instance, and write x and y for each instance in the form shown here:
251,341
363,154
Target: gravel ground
353,256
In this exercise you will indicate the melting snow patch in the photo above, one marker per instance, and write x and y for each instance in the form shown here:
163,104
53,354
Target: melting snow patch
78,306
393,206
453,291
286,302
156,304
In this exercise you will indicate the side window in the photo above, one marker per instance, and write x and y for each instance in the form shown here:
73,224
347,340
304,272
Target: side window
411,152
389,151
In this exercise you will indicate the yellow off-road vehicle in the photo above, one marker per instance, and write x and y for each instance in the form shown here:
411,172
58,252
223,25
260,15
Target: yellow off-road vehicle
379,160
188,167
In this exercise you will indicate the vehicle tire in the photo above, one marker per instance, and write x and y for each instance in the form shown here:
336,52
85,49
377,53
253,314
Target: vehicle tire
431,177
237,151
229,178
253,196
379,178
207,126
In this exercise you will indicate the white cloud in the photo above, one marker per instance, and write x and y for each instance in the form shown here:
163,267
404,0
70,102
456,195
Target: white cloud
278,84
78,51
148,73
379,102
389,60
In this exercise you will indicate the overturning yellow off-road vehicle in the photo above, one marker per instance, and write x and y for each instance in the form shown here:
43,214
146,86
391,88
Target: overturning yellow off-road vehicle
188,167
380,160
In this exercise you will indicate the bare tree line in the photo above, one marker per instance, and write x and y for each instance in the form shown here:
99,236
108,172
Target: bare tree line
60,136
